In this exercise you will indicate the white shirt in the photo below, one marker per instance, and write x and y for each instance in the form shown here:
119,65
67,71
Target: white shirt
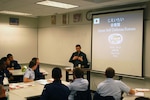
29,74
78,84
111,87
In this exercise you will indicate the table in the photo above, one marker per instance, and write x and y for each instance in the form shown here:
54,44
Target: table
27,90
18,72
138,94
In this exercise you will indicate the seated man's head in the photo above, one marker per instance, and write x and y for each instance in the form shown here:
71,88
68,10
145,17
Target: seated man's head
36,60
56,73
32,65
78,73
110,72
10,57
78,48
6,61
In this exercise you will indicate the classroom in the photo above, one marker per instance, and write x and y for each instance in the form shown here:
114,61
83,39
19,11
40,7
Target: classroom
52,39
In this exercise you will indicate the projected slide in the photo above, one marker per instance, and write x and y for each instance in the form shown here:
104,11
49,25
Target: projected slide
117,42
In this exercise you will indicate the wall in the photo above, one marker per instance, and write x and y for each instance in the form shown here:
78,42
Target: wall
20,40
57,42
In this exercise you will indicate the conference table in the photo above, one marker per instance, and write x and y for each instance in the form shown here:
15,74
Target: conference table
19,72
139,93
24,91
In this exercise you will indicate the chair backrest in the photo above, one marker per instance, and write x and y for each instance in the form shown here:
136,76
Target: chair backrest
98,97
83,95
3,98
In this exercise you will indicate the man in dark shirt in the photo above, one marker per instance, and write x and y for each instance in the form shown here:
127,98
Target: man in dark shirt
13,63
4,72
1,71
55,90
78,58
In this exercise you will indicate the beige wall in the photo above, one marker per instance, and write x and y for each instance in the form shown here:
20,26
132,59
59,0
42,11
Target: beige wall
20,40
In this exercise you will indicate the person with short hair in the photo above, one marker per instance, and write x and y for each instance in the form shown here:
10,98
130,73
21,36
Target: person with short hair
78,84
55,90
4,72
38,74
78,58
13,63
111,87
29,75
2,66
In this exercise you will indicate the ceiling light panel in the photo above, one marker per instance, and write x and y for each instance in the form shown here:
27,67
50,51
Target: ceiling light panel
15,13
57,4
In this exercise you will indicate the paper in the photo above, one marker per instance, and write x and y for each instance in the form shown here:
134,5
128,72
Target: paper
42,81
139,94
19,85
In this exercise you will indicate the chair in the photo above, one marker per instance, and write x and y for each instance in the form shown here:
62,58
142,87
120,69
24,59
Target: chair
3,98
98,97
34,98
83,95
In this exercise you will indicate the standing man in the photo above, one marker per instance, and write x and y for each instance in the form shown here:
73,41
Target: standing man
78,58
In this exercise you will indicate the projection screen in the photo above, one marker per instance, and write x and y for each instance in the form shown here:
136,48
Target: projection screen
117,42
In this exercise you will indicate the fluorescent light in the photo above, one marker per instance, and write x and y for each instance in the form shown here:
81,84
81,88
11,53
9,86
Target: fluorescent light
15,13
56,4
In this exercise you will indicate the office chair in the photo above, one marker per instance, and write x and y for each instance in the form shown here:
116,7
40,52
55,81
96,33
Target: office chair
98,97
83,95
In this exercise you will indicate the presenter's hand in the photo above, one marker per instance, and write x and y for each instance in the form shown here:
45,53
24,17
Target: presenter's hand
80,58
75,57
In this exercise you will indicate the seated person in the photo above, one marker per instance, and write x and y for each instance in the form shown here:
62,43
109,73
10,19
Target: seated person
38,74
55,90
13,63
29,75
2,66
3,70
111,87
78,84
2,93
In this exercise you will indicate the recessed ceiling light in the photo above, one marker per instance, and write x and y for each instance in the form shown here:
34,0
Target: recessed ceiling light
15,13
56,4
